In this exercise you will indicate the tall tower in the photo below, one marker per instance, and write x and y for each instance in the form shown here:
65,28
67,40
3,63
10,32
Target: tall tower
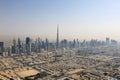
14,46
19,46
57,42
1,47
28,45
107,41
14,42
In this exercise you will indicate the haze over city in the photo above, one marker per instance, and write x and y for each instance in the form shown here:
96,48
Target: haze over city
82,19
59,40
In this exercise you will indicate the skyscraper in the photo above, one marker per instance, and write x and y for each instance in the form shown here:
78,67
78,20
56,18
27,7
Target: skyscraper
1,47
19,46
28,45
57,42
107,41
14,46
46,44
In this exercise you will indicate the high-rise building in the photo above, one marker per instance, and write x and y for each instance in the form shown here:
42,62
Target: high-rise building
28,45
57,41
46,44
39,44
43,45
77,44
14,46
1,47
114,42
14,42
107,41
19,46
74,43
23,47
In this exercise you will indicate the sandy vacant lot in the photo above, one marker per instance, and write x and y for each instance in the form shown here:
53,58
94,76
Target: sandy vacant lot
26,73
75,71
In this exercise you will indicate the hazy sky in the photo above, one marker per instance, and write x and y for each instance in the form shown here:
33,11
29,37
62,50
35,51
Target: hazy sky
83,19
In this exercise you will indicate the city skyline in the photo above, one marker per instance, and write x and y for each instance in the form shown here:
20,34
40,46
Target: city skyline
59,40
77,19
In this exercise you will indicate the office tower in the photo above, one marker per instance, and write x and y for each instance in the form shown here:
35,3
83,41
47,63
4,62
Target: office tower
113,42
107,41
43,45
70,45
23,46
14,42
64,44
77,43
9,51
57,41
51,47
39,44
28,45
14,46
84,43
19,46
1,47
46,44
93,43
74,43
34,46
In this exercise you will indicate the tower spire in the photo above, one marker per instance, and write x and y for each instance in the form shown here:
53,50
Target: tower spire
57,42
